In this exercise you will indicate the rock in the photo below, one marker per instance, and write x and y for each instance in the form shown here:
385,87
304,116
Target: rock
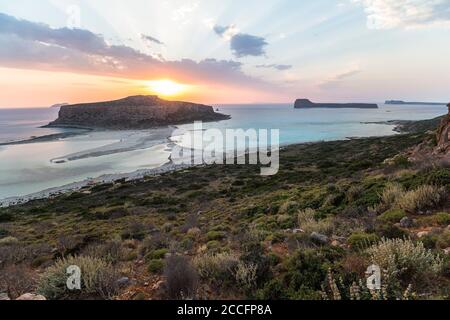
319,238
446,252
4,296
31,296
423,234
295,231
123,282
136,112
443,135
406,222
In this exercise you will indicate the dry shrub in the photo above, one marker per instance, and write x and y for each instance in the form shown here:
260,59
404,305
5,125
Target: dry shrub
246,275
423,198
16,280
110,251
181,278
308,223
218,268
404,260
98,279
390,196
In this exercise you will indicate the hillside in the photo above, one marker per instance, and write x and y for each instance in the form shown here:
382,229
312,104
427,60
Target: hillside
309,232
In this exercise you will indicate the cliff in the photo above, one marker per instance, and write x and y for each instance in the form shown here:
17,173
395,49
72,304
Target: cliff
307,104
136,112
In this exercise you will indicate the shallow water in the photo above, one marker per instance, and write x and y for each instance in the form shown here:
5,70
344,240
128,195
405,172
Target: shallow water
26,169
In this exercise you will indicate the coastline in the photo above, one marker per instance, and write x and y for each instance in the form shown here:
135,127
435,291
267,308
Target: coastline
141,141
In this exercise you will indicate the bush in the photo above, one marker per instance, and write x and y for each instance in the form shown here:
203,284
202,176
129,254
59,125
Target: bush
8,241
443,241
215,236
424,197
219,268
98,279
308,223
405,261
182,278
246,275
442,218
391,195
110,251
361,240
392,216
156,266
157,254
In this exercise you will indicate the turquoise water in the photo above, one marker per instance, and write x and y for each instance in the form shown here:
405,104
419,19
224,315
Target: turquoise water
26,169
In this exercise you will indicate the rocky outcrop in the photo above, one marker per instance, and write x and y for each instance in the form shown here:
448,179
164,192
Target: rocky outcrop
307,104
434,152
137,112
443,135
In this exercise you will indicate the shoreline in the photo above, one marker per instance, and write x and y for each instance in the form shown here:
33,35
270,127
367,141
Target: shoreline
143,173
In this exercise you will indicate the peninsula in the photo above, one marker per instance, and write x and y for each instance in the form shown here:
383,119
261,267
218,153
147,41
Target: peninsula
307,104
135,112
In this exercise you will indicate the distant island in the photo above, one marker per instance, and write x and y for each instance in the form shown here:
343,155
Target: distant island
135,112
400,102
307,104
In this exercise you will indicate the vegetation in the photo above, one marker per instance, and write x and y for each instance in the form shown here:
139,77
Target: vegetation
309,232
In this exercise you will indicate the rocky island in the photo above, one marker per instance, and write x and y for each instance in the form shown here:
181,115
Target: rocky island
307,104
400,102
135,112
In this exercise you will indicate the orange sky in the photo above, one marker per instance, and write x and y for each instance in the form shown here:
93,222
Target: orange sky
45,88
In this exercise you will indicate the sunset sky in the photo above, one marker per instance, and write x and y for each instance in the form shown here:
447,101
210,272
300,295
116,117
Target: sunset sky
227,51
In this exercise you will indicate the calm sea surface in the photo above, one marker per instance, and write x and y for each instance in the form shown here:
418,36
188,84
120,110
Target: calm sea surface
25,169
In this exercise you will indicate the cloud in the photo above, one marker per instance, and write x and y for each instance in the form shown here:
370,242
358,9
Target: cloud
30,45
335,80
280,67
241,44
151,39
226,32
388,14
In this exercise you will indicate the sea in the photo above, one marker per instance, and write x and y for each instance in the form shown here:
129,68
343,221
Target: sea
28,168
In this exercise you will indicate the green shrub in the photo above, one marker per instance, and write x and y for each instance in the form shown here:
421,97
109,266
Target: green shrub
392,216
442,218
391,231
360,240
443,241
156,266
6,217
157,254
215,235
98,279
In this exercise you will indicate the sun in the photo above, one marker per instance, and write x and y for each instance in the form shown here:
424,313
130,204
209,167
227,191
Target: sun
166,87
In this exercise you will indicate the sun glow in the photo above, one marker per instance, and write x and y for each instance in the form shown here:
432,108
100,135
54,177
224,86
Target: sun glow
166,87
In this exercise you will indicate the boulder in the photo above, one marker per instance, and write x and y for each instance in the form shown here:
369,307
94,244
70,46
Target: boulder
319,238
123,282
447,251
423,234
406,222
31,297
